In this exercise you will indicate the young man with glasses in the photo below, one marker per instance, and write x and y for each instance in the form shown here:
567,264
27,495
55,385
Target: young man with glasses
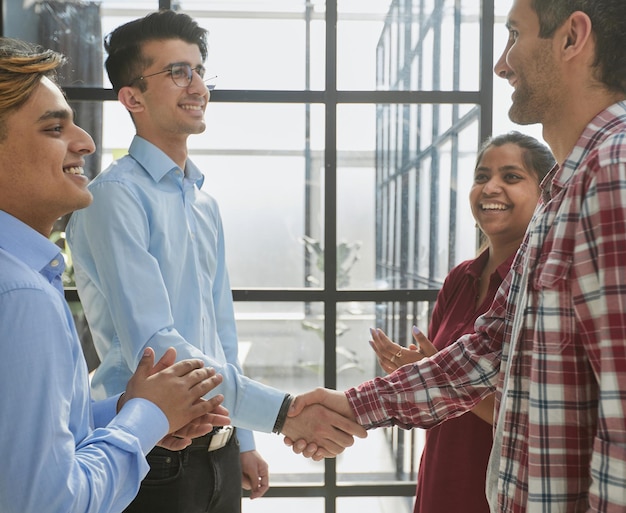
62,452
150,269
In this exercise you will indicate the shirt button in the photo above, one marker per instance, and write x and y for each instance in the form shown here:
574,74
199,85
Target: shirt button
54,263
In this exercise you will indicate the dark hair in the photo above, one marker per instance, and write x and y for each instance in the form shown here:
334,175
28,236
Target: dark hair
126,62
608,18
22,66
537,156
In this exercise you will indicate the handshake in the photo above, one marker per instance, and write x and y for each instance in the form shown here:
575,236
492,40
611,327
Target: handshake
319,424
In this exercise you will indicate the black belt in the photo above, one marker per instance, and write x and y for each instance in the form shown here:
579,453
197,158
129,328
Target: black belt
216,439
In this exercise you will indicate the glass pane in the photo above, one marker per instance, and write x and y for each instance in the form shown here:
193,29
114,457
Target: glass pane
387,455
287,468
277,44
430,46
282,344
118,132
403,216
396,451
268,179
283,47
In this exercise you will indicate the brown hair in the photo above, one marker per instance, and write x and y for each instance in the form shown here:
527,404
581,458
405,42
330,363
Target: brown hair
22,65
608,19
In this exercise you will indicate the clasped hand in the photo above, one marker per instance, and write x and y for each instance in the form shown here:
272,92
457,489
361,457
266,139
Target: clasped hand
321,424
178,390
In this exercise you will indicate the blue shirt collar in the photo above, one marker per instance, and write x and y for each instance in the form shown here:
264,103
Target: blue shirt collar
30,247
157,164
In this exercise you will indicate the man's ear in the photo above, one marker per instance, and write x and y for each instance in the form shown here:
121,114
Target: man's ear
131,98
576,34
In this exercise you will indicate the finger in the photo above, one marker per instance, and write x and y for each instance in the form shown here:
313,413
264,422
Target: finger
298,446
425,345
174,442
252,480
167,360
184,367
193,430
264,486
204,408
202,381
389,352
219,419
375,342
347,426
380,343
335,439
331,447
321,454
219,409
310,450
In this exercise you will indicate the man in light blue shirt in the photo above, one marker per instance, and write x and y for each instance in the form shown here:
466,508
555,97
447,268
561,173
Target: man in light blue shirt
150,269
61,453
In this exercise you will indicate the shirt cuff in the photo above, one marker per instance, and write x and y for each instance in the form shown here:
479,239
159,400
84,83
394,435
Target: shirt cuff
366,405
104,410
145,420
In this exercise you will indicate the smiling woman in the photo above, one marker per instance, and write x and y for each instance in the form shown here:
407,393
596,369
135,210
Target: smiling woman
505,190
503,198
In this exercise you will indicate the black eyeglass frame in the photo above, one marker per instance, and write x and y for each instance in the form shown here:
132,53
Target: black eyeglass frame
199,69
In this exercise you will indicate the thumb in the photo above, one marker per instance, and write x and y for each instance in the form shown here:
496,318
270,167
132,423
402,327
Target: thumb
426,346
296,406
303,400
144,369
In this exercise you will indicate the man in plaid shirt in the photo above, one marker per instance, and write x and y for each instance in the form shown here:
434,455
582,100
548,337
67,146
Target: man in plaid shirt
553,345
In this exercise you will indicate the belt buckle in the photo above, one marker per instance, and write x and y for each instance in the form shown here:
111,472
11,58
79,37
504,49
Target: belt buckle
220,439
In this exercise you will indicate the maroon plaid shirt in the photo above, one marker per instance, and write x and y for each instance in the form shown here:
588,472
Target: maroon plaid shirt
563,422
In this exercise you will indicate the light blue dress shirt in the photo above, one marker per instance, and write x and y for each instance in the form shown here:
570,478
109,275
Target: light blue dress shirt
53,460
150,269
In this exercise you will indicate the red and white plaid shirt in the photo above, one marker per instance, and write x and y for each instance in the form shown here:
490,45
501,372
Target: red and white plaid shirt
560,444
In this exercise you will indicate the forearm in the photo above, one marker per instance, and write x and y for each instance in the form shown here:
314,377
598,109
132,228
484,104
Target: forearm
424,394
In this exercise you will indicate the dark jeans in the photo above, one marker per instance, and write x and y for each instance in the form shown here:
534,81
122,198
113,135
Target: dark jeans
191,481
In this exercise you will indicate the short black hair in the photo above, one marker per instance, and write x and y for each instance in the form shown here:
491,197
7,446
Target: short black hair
125,61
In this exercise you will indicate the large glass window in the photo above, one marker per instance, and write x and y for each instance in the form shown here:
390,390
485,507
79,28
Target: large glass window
340,145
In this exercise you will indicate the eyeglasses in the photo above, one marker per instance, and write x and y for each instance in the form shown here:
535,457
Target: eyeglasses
182,75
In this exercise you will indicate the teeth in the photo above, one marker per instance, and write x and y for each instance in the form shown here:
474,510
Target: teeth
493,206
73,170
191,107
